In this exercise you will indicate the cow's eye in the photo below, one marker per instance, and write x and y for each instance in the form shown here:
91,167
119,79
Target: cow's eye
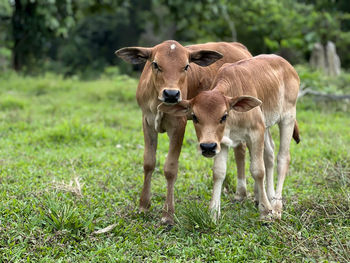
186,67
194,118
223,119
155,65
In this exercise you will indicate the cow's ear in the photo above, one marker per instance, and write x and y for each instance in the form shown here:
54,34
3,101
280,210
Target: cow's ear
243,103
179,109
205,57
134,55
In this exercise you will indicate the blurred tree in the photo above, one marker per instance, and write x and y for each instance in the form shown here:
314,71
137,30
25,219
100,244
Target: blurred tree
5,22
332,23
81,35
34,24
270,26
102,27
287,27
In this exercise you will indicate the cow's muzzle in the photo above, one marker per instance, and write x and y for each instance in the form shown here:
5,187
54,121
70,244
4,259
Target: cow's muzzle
208,149
171,96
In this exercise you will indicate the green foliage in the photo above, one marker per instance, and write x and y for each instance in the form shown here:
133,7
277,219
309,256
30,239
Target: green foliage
11,103
35,25
93,42
80,37
5,58
319,81
5,51
91,130
71,37
289,28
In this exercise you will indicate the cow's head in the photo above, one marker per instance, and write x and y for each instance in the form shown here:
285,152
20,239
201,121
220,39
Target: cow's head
170,63
209,110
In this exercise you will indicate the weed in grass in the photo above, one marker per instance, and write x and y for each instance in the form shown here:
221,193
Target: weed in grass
57,216
194,216
72,187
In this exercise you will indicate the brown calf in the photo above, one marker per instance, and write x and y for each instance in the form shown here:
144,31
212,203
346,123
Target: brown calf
228,115
169,76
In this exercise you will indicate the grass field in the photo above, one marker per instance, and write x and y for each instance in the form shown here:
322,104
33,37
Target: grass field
56,133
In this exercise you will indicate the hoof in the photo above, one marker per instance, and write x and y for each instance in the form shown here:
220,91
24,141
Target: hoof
143,210
266,223
256,203
167,221
277,215
277,207
144,205
267,218
239,198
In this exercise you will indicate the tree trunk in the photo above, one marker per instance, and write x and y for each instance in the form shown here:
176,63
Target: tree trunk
333,60
21,30
325,59
16,34
318,57
230,23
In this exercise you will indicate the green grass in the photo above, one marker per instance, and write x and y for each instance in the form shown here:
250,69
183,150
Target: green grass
55,130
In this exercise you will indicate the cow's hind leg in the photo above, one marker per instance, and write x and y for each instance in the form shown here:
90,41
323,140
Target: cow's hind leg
286,127
149,162
269,159
176,135
241,188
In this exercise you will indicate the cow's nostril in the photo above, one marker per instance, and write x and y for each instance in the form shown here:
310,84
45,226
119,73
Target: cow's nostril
208,147
171,95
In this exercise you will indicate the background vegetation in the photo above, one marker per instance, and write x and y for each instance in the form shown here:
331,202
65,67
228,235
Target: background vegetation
80,37
71,148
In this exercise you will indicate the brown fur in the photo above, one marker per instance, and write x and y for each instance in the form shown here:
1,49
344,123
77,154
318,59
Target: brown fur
258,77
171,75
268,81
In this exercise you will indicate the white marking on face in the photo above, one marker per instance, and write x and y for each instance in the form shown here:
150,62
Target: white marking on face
227,141
173,46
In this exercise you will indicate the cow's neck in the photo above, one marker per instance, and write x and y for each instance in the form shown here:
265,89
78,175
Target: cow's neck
147,97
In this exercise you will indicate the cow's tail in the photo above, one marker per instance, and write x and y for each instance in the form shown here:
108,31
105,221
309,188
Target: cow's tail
296,135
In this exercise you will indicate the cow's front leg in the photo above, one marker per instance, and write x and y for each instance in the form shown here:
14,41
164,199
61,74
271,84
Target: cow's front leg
257,169
149,162
269,159
176,134
219,174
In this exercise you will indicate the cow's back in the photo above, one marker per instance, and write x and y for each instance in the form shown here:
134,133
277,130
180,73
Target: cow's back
201,78
270,78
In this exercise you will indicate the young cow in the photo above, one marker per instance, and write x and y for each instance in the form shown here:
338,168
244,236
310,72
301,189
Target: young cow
173,73
229,114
